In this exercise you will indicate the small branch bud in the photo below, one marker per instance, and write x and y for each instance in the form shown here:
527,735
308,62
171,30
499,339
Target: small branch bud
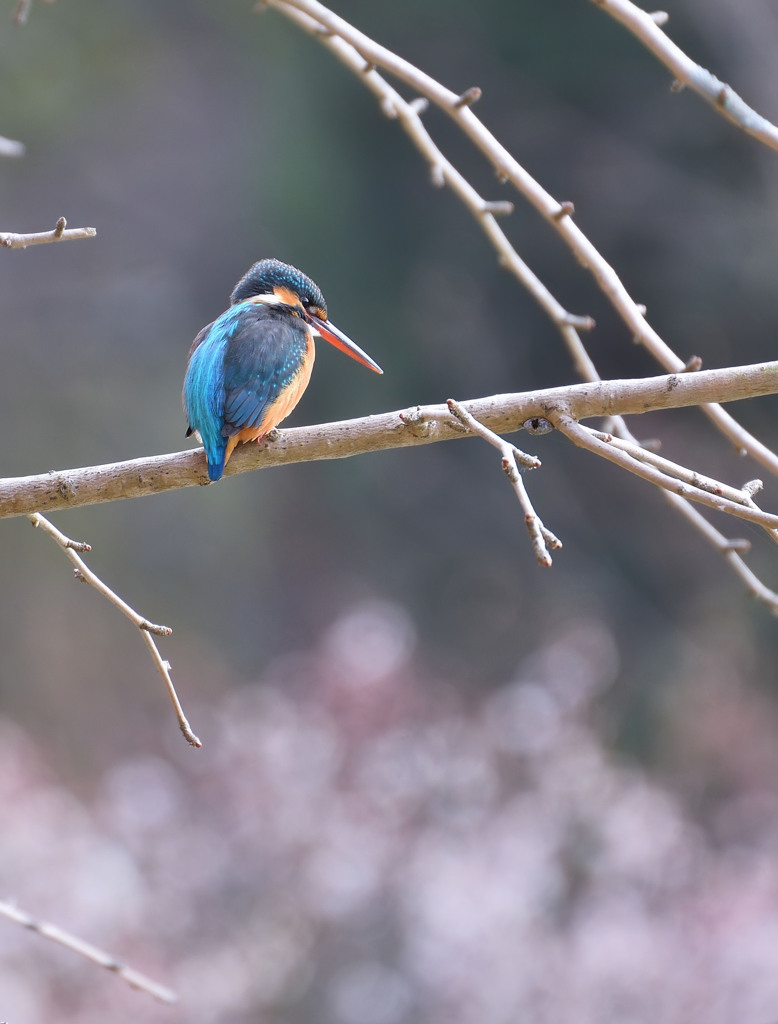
468,97
498,208
566,209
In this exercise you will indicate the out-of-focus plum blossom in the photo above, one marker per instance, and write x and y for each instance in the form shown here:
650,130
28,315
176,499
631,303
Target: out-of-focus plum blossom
360,844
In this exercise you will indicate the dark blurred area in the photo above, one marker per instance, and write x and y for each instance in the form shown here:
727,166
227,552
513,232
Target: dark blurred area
436,778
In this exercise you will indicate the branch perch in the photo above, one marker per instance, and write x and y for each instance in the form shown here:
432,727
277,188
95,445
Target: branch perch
59,233
54,934
503,414
85,574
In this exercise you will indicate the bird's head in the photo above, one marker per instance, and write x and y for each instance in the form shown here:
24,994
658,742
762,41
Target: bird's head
287,288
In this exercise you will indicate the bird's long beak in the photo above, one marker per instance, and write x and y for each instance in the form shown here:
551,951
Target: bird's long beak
335,337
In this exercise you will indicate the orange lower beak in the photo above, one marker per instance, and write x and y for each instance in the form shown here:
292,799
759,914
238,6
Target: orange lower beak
335,337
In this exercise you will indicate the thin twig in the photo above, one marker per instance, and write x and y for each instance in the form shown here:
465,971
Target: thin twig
512,457
60,233
503,414
84,573
556,214
718,94
54,934
583,437
742,496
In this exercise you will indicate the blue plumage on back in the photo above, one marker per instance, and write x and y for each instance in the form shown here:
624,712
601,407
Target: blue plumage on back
204,388
239,366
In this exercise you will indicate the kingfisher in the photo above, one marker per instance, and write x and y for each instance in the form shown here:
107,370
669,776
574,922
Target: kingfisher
249,368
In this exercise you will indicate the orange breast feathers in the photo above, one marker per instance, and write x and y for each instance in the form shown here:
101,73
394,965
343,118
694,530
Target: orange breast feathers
282,406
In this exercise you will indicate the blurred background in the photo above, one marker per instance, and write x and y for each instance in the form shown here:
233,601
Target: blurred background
438,783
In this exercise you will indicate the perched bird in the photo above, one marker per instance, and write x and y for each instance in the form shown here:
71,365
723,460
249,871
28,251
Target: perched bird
249,368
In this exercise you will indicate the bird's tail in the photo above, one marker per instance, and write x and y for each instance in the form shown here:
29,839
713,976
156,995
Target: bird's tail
216,464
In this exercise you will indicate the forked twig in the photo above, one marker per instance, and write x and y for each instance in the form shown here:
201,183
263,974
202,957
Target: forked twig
84,573
741,496
59,233
512,459
718,94
704,491
54,934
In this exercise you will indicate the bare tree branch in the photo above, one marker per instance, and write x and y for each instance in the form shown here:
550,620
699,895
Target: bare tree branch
704,491
512,459
84,573
718,94
558,215
503,414
54,934
60,233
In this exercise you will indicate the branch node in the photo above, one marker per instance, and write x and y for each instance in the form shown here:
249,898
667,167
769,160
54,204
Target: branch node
693,363
566,209
738,544
524,460
498,208
502,176
752,487
677,85
418,424
722,96
419,105
78,545
468,97
538,425
388,109
510,470
59,227
150,627
580,323
659,17
437,176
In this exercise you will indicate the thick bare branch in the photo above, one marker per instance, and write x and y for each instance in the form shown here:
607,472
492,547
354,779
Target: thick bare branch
84,573
503,414
54,934
60,233
718,94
